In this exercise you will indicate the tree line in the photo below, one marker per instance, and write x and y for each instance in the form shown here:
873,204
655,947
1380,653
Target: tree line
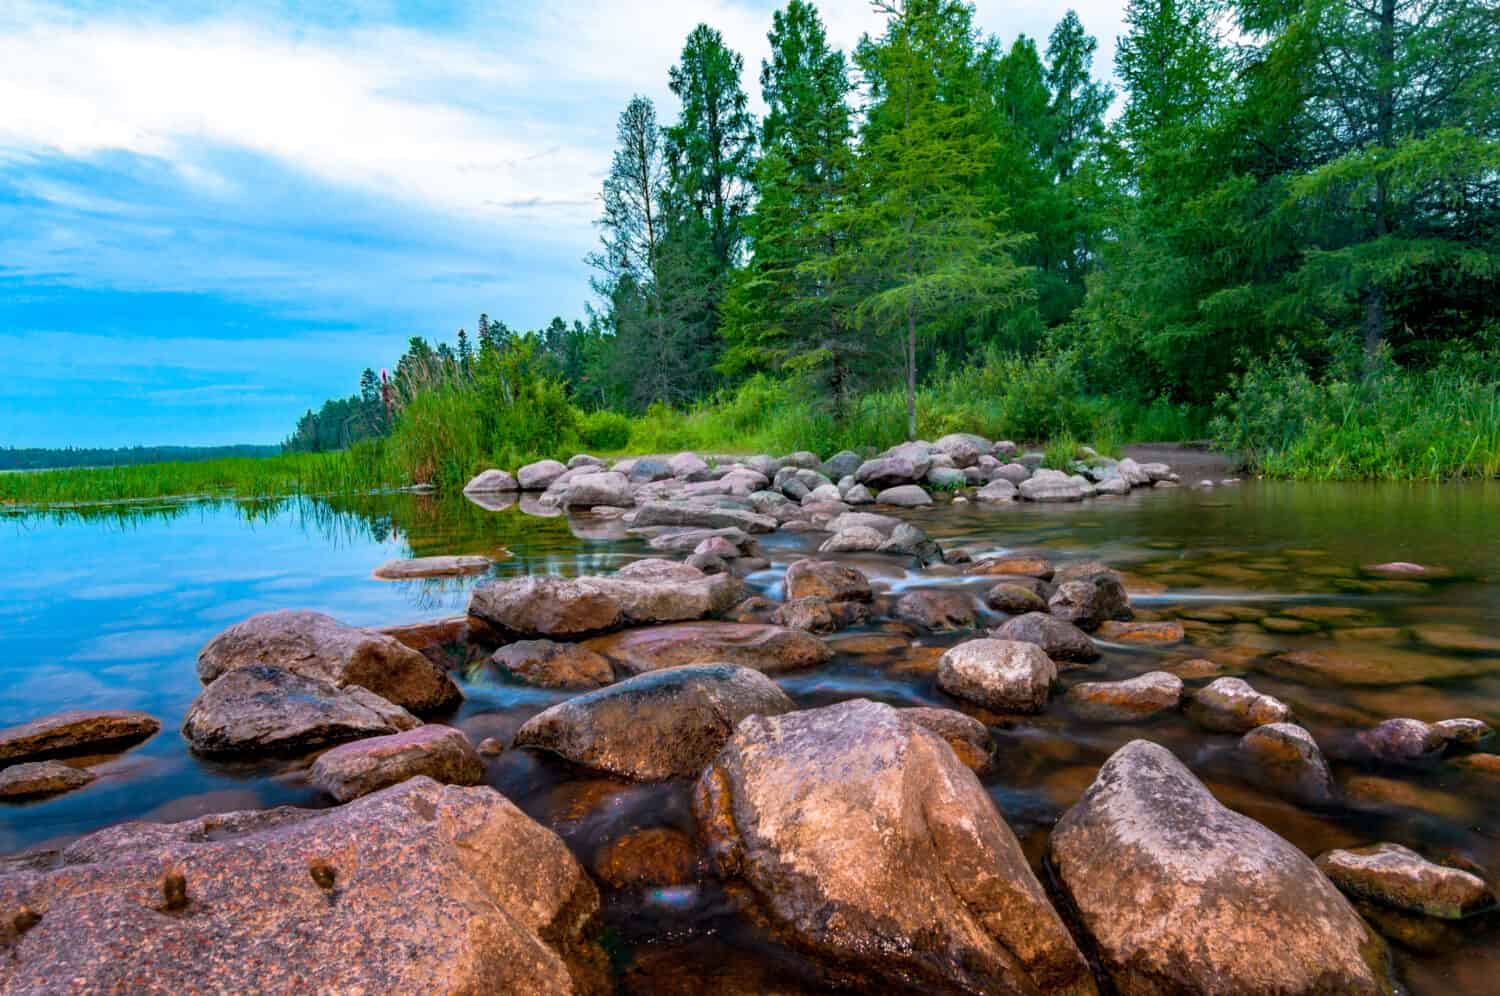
1314,179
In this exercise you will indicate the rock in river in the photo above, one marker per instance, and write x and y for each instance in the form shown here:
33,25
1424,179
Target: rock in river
34,779
540,475
904,496
491,482
969,738
1284,757
1181,895
647,591
75,732
319,646
1061,640
420,888
259,709
1400,877
765,648
936,609
553,665
442,753
1401,741
703,515
431,567
998,674
1230,705
1126,701
661,725
870,845
827,580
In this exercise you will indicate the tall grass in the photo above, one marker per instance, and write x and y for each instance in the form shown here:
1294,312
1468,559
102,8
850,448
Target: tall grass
1387,424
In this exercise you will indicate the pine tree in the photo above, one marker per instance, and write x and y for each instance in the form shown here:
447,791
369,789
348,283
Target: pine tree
933,249
465,354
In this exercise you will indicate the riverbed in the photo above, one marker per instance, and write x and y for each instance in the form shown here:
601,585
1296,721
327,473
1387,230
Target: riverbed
107,608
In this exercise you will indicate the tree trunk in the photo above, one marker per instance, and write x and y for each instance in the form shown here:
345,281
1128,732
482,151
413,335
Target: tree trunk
911,373
1385,130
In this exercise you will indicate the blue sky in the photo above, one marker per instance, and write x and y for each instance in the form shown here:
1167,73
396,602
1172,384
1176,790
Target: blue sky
212,217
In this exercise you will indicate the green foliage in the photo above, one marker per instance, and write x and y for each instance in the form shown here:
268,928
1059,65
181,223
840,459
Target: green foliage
604,431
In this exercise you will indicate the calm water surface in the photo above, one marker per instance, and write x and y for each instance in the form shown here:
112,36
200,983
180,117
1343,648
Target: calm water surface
107,609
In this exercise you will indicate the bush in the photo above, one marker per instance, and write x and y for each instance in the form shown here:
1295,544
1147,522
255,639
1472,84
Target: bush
604,430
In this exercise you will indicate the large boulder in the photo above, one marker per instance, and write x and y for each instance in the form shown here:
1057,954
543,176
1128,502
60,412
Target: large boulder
75,732
892,471
998,490
998,674
1087,595
904,496
553,665
969,738
605,488
692,513
1055,486
319,646
823,579
491,482
772,649
267,710
963,448
688,466
855,539
882,524
664,724
646,471
641,593
911,541
1399,877
540,476
842,464
442,753
420,888
869,844
1061,640
1179,894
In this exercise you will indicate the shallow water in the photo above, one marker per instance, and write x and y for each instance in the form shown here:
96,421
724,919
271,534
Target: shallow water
107,609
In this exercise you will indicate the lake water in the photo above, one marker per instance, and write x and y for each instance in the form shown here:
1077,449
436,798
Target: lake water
108,608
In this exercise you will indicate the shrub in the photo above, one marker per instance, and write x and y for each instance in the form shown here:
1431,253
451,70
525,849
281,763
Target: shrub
604,430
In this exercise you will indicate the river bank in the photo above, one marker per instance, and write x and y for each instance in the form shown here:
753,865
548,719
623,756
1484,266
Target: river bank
1257,576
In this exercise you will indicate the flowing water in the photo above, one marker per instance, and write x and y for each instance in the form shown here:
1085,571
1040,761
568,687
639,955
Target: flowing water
107,609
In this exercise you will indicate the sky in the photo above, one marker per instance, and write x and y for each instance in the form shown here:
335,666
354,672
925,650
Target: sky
214,216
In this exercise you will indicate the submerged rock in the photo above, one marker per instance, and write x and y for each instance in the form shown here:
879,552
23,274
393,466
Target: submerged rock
259,709
318,646
1372,663
1030,567
1003,675
34,779
1401,878
688,513
762,647
420,888
1134,699
1061,640
872,847
1230,705
553,665
1166,631
1181,895
75,732
1401,741
442,753
654,726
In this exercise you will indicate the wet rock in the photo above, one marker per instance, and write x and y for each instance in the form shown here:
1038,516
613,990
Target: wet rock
1196,668
998,490
553,665
420,888
904,496
607,488
823,579
431,567
1181,895
1285,758
772,649
1055,486
857,539
689,513
319,646
492,482
1088,594
490,747
1400,741
1138,698
647,591
859,831
969,738
1356,663
935,609
442,753
819,615
882,524
1468,733
1014,599
75,732
1457,639
1230,705
1062,641
1114,485
1003,675
1165,631
654,726
35,779
909,541
259,710
1031,567
540,476
1401,878
892,471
